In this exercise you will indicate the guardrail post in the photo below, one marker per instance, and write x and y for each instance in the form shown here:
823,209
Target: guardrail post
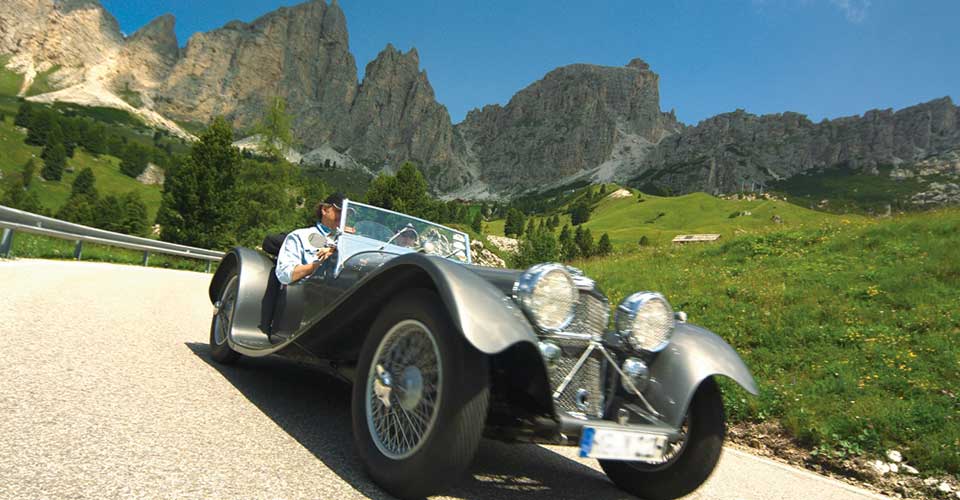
146,257
6,244
78,250
208,265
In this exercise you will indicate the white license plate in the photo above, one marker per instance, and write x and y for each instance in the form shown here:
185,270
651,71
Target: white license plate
621,444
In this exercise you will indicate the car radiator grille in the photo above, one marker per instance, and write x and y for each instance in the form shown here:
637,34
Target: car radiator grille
584,393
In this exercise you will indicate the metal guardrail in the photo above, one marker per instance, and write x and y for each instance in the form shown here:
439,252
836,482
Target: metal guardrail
12,220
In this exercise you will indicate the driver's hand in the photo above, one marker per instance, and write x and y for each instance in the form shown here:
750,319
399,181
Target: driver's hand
324,253
349,229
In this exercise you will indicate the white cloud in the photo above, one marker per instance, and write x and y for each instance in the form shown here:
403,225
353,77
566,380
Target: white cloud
855,10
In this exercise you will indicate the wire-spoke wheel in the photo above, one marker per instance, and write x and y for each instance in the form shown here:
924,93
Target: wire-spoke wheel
403,389
420,398
690,460
222,322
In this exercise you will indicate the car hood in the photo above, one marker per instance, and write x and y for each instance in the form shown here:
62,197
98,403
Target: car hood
502,279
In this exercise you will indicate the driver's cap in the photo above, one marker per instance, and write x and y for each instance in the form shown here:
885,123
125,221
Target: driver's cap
335,199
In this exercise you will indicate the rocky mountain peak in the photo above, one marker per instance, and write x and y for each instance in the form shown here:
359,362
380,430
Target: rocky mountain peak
158,35
574,119
638,63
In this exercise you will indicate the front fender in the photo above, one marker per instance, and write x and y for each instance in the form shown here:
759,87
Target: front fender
487,319
693,355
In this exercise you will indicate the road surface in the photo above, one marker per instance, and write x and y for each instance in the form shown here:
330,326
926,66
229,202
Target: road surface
107,390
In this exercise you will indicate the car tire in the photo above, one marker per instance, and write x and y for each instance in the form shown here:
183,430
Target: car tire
693,463
222,321
413,338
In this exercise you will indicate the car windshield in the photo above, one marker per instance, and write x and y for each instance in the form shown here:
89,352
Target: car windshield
404,231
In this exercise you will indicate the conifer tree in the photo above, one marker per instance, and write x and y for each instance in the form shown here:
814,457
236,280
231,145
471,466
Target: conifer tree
29,170
477,224
84,184
54,161
604,247
200,197
134,214
568,249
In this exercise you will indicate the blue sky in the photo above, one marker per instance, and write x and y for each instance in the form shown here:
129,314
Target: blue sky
823,58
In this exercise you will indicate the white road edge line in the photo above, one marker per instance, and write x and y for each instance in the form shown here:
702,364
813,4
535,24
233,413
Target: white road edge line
806,473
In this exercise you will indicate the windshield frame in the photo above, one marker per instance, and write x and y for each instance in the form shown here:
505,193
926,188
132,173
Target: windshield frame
343,225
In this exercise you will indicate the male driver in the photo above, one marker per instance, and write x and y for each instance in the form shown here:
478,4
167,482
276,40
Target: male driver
300,257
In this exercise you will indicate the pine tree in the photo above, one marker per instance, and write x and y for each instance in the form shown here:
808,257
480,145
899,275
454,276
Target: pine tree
538,246
200,197
29,170
25,115
93,138
14,194
568,249
580,213
584,240
41,122
54,161
84,184
134,220
604,247
80,210
109,214
477,224
134,159
514,223
274,130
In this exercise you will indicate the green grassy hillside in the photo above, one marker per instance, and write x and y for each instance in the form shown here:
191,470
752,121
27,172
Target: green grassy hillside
851,328
53,195
661,218
10,81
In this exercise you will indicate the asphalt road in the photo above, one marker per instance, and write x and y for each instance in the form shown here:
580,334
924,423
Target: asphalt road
107,390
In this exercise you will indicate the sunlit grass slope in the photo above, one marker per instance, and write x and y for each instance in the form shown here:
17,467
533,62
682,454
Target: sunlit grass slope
627,220
53,195
852,329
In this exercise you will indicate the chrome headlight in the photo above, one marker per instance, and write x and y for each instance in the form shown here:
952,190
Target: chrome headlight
547,294
645,320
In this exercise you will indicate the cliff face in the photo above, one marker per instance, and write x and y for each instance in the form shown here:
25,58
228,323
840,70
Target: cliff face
725,151
572,120
298,53
74,35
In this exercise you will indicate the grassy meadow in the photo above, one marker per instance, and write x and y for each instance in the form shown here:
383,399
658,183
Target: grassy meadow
32,246
659,218
850,326
53,195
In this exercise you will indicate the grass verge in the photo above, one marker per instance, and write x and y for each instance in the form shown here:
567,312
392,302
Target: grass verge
34,246
851,329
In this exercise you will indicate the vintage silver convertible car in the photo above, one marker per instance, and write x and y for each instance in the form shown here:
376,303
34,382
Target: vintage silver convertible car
441,353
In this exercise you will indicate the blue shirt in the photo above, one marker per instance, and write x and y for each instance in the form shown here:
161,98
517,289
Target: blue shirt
298,250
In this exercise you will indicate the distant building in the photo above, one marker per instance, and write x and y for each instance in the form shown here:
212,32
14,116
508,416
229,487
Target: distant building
695,238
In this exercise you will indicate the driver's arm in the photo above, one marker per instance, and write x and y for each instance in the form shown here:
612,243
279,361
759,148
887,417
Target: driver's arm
290,267
303,270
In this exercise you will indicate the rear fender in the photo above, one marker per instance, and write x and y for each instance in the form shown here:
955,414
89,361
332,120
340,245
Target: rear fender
253,270
693,355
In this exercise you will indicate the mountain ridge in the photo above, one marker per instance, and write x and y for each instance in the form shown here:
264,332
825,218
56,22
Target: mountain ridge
579,121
